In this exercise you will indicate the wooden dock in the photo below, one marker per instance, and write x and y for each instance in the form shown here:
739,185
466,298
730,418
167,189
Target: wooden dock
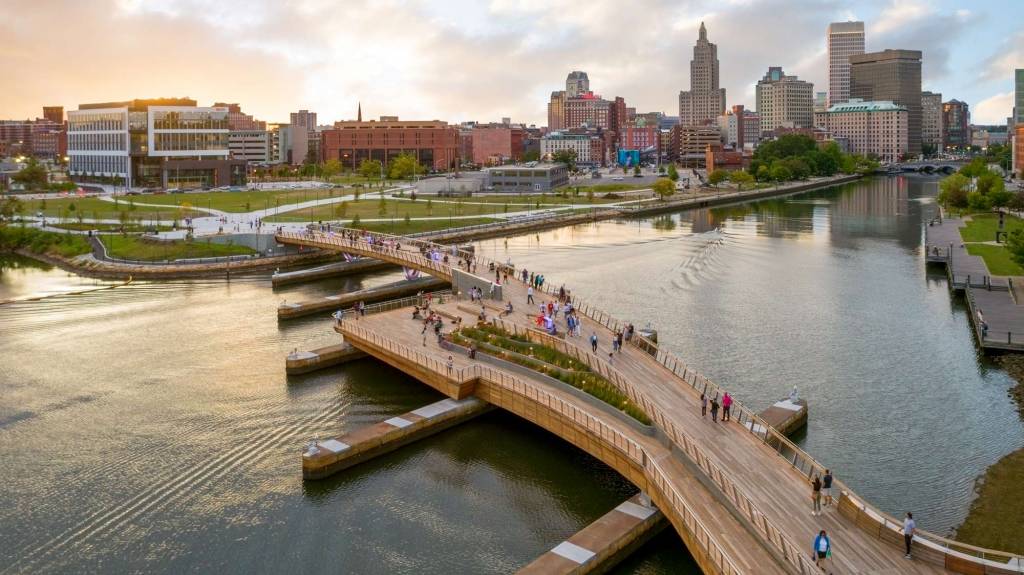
358,266
738,493
299,362
403,288
601,545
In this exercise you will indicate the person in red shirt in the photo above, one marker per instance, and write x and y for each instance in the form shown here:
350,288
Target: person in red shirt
726,404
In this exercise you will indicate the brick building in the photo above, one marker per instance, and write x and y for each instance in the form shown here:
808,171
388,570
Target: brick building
433,143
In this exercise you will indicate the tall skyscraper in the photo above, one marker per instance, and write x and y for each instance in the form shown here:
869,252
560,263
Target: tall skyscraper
576,84
956,121
895,76
784,101
556,111
844,40
55,114
931,120
705,100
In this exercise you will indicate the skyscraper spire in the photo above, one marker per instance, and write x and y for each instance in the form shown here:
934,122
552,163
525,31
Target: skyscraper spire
359,114
703,34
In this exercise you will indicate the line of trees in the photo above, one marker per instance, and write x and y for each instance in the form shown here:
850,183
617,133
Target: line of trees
977,188
798,157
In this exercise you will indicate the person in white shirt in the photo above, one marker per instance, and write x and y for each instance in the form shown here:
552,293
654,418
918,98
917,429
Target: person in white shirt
909,527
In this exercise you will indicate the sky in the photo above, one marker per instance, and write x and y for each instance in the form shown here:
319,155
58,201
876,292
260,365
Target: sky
460,60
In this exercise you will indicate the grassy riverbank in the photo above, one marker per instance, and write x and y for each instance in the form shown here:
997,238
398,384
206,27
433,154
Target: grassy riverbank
42,242
996,518
144,249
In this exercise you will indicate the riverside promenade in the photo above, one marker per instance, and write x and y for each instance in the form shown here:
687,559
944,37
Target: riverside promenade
997,319
737,493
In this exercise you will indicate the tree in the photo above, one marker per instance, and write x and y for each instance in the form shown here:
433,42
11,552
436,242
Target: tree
990,182
763,173
355,221
531,156
636,171
590,195
780,173
739,177
673,173
331,168
717,177
370,169
407,219
953,191
567,157
430,207
1015,245
341,210
978,202
382,207
402,167
664,187
33,176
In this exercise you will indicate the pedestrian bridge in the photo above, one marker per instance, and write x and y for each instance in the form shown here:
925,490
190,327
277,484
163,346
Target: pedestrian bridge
737,493
944,166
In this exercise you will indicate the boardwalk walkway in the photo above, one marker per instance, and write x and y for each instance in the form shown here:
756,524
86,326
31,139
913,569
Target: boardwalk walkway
742,480
990,299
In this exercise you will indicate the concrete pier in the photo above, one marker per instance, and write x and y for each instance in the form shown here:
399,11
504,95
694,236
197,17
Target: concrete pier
786,416
328,271
333,455
603,543
394,290
307,361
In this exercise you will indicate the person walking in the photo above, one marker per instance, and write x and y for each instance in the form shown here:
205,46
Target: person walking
726,404
816,496
618,338
909,527
826,487
703,405
714,408
822,548
593,341
529,295
450,364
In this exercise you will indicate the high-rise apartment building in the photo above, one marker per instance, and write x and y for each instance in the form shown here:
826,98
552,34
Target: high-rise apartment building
931,120
820,101
1018,97
875,128
894,76
576,84
306,119
588,109
845,39
784,101
705,100
956,122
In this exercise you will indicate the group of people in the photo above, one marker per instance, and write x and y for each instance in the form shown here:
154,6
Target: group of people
725,405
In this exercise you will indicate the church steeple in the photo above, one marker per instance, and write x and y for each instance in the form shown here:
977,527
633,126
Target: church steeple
359,114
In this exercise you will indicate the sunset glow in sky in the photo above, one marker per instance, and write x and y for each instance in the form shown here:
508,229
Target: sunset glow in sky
472,60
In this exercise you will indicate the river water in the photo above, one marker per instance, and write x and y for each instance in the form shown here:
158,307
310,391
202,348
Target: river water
151,427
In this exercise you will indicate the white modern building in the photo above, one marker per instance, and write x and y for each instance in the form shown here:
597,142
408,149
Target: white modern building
870,128
162,143
253,146
558,141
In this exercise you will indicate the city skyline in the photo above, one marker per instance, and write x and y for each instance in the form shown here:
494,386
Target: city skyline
462,61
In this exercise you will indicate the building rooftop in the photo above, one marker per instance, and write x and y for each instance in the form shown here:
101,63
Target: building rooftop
527,166
857,105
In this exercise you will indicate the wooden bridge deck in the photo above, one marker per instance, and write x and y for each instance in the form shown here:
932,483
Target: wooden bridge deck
756,504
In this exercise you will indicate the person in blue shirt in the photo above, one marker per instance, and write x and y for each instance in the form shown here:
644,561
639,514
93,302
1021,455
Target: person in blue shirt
822,548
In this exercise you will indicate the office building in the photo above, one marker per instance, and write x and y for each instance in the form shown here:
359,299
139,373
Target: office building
161,142
1018,150
740,128
869,128
820,101
529,178
576,84
556,111
845,39
253,146
434,144
1018,97
690,144
239,121
54,114
931,120
495,144
956,122
306,119
894,76
705,100
591,146
784,101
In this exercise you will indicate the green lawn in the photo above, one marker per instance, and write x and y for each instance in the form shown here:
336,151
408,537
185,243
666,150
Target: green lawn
241,201
997,258
371,208
100,209
982,227
607,187
994,520
145,249
399,227
109,227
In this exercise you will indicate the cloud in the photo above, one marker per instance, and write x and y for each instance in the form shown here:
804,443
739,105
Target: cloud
993,110
1008,57
918,25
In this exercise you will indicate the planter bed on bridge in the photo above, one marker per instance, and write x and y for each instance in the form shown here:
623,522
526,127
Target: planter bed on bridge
550,362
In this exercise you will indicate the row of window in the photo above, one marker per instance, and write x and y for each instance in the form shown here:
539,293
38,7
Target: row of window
190,141
99,164
97,142
95,122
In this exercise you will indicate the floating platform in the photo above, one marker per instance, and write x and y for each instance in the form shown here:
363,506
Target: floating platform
786,416
603,543
334,455
328,271
307,361
394,290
